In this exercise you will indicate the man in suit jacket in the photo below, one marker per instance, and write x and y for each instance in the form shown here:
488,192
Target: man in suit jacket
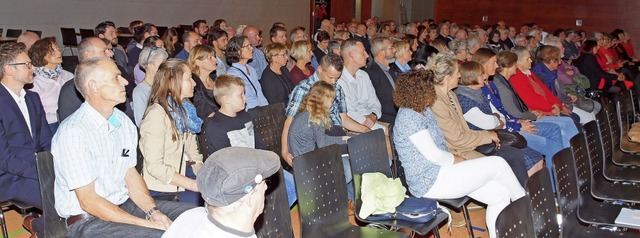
383,81
23,131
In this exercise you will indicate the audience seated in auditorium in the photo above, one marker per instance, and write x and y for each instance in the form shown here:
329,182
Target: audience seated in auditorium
24,131
382,80
239,52
360,95
107,30
150,60
599,79
168,136
276,80
70,98
431,170
97,188
258,62
302,52
202,62
189,40
226,212
460,139
49,77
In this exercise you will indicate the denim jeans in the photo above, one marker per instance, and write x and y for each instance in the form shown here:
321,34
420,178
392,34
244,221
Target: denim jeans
567,127
95,227
291,187
348,177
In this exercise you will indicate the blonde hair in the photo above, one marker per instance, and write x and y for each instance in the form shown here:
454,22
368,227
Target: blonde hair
400,46
318,102
299,49
223,85
199,52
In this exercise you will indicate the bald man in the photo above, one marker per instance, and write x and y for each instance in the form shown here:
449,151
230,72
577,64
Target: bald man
259,61
28,38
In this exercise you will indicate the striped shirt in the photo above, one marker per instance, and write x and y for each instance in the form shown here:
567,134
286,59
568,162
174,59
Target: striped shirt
297,95
91,149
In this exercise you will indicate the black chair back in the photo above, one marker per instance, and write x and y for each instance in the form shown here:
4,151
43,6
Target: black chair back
54,225
268,122
543,207
39,33
14,32
515,220
69,37
322,190
368,153
85,33
322,197
124,30
186,27
275,220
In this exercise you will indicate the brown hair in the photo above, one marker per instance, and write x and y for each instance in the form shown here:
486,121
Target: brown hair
40,49
483,55
318,102
469,73
546,53
8,54
168,82
415,89
506,59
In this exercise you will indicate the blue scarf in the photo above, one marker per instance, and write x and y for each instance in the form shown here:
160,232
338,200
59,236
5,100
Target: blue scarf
49,73
193,123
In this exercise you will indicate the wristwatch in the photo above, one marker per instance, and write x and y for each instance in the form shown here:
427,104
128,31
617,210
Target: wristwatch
150,212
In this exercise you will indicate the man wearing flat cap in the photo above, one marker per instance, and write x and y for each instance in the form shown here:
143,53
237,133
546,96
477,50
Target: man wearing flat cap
232,185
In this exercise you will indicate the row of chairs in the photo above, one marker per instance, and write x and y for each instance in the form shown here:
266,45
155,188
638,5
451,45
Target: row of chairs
595,180
15,33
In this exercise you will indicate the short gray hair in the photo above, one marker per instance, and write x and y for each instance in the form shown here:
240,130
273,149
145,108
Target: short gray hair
150,54
442,65
85,71
377,45
457,45
521,51
86,46
471,41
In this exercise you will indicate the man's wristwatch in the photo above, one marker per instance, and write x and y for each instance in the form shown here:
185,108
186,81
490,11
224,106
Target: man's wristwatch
150,212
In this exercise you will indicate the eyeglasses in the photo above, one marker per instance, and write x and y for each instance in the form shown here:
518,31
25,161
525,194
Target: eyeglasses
28,64
283,54
245,46
153,48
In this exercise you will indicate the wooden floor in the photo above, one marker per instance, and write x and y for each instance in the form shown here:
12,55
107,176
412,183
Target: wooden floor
15,229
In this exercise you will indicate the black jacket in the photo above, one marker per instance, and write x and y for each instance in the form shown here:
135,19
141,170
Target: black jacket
384,91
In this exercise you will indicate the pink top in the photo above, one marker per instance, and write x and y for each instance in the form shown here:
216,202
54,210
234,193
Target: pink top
49,90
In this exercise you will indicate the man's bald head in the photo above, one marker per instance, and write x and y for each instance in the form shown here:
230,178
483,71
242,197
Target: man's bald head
253,35
28,38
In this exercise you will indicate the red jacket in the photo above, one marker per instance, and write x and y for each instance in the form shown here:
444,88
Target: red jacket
534,101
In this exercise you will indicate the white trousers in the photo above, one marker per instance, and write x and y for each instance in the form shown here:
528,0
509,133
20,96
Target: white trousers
489,180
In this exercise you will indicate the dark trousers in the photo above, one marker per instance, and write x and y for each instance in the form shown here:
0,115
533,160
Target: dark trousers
515,159
95,227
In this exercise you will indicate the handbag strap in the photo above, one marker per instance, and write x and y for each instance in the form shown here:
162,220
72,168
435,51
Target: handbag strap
248,79
184,136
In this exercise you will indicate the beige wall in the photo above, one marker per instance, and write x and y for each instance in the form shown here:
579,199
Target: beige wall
49,15
417,10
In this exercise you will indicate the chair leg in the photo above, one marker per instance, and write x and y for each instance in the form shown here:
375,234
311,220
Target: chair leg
5,233
467,219
436,232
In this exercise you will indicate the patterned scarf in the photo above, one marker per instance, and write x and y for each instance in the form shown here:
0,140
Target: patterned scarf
49,73
192,124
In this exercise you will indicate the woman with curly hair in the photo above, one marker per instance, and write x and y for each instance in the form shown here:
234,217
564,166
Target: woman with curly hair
49,76
168,136
431,170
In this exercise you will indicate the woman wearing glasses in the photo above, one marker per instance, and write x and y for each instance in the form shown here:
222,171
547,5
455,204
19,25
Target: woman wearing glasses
202,61
49,76
276,80
239,52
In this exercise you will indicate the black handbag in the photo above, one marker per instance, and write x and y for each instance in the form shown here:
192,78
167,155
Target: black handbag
513,139
413,209
488,149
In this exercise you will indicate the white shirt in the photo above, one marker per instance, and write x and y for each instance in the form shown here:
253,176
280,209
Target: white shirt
360,95
196,223
87,148
22,104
